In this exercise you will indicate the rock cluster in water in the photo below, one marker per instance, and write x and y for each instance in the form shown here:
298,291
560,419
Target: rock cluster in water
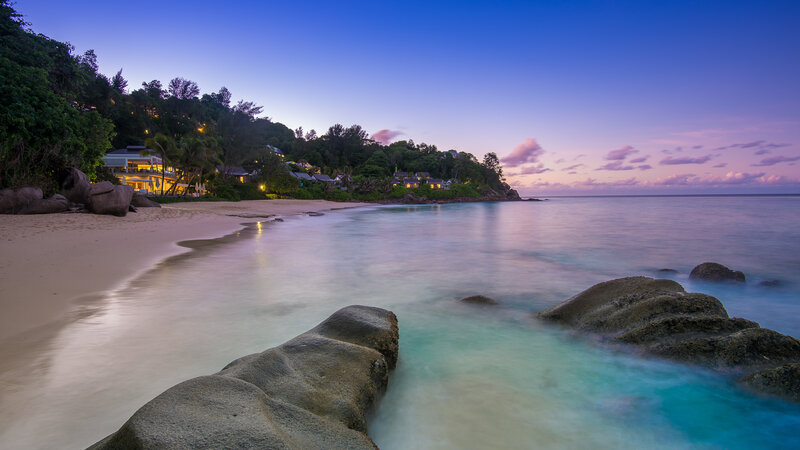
77,194
313,391
662,319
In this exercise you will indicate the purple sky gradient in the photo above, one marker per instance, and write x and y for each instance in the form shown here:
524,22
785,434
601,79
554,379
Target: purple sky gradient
580,97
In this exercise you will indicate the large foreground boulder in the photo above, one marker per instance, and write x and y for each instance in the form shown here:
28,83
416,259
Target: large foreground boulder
75,186
55,204
13,200
314,391
105,198
714,272
662,319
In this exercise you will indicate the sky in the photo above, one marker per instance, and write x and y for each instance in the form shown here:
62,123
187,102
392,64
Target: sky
575,97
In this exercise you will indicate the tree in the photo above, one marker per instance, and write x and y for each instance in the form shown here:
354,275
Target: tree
46,120
165,147
183,89
118,83
154,89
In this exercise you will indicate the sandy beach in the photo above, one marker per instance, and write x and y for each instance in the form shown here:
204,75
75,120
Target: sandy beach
50,262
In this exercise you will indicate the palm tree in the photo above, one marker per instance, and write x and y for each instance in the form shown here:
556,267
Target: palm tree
199,154
165,147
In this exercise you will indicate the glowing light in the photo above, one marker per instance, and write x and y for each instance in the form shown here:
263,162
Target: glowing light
263,188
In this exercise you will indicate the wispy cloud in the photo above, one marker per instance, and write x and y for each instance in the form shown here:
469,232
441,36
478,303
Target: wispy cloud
776,160
572,167
640,159
670,161
717,166
530,170
645,167
615,165
385,135
528,151
730,178
620,154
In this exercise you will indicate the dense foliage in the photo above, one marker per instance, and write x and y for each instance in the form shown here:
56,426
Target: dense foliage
57,111
49,116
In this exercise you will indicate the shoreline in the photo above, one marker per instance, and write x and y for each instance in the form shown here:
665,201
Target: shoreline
54,262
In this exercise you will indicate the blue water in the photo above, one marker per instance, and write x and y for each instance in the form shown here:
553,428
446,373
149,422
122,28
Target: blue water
468,377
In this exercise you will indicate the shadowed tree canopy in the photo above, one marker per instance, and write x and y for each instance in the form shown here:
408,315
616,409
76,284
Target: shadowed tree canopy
183,89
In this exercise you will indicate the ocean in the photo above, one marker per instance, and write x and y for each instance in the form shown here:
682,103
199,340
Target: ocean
467,376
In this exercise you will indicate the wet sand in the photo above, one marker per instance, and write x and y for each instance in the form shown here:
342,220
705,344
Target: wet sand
52,264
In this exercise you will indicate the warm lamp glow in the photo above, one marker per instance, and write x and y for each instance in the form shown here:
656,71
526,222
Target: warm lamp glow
262,187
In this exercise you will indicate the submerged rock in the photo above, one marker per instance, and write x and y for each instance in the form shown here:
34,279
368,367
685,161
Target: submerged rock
479,300
662,319
781,381
710,271
314,391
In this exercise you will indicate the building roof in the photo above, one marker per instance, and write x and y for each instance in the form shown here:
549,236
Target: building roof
400,174
120,157
422,174
434,181
301,176
322,177
237,171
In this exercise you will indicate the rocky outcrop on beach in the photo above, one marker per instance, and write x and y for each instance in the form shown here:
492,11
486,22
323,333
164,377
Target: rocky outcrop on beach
313,391
714,272
14,200
55,204
106,198
77,195
75,186
140,200
662,319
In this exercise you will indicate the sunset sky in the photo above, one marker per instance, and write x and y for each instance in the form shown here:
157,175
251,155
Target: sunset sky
578,97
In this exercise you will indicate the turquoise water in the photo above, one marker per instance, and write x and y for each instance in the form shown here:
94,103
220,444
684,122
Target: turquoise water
468,377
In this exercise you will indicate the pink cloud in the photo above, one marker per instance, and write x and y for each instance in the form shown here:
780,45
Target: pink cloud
573,167
669,161
775,160
385,135
640,159
729,179
620,154
527,152
645,167
615,165
717,166
530,170
591,182
676,180
763,151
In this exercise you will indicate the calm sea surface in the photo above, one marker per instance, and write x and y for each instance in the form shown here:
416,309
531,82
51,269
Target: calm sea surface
467,377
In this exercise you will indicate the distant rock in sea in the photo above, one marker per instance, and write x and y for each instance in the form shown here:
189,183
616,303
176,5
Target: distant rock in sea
710,271
478,300
771,283
661,318
314,391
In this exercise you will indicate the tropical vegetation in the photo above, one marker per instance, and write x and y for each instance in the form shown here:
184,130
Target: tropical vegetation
57,111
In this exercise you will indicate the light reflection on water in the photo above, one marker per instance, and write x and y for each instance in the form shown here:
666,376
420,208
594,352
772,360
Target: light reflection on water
467,377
